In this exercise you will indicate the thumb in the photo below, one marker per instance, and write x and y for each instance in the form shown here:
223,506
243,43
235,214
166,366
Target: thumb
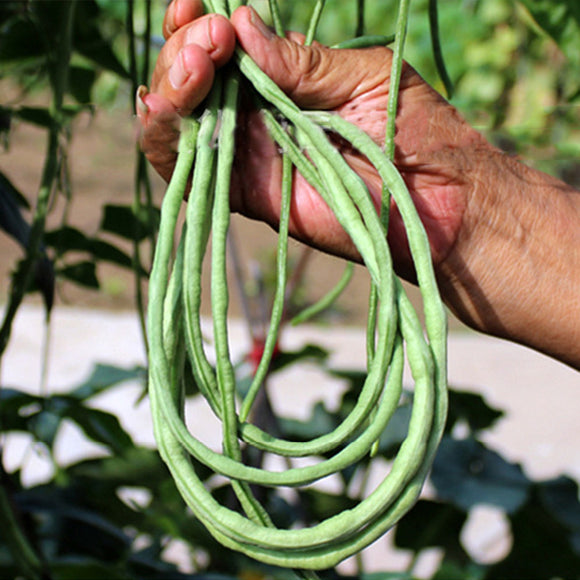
312,76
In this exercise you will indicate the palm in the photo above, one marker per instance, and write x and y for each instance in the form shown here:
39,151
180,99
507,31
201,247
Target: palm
354,84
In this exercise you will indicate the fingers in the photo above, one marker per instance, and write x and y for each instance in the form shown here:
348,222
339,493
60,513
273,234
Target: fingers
186,65
313,76
184,73
179,13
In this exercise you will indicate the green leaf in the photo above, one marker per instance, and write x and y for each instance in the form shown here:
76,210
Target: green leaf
16,408
71,524
82,273
560,497
321,421
7,186
454,571
79,568
560,19
432,524
319,505
106,252
45,426
139,466
69,239
387,576
104,377
122,221
470,408
90,42
101,427
41,116
81,82
308,352
541,547
467,474
396,431
20,41
66,239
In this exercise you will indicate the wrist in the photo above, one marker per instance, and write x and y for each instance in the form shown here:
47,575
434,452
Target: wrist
514,269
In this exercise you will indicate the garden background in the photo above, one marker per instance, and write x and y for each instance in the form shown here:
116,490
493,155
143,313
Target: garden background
83,492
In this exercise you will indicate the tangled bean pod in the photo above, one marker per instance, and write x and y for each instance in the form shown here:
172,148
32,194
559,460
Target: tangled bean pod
175,333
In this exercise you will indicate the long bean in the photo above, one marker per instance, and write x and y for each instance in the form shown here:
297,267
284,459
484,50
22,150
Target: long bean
175,332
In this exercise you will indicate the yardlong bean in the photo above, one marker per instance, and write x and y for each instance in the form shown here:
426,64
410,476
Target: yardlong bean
175,332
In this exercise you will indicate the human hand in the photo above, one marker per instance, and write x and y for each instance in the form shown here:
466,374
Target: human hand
353,83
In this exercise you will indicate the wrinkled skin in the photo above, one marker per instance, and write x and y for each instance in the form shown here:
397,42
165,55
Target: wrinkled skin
481,209
315,78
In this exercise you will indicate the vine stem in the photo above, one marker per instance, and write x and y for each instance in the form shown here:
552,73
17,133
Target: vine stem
142,183
59,81
24,554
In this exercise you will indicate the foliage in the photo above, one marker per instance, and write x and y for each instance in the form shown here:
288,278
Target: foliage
118,515
515,66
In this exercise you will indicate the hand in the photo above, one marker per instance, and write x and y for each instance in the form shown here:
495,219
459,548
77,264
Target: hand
499,269
353,83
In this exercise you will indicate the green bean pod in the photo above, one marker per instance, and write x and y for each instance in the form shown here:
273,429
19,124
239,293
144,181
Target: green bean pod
395,334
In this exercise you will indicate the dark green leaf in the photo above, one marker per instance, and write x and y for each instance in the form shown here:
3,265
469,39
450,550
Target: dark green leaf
396,431
137,467
560,497
467,474
42,117
432,524
123,221
542,547
45,426
388,576
71,525
319,505
66,239
81,82
101,427
83,568
454,571
11,219
560,19
20,41
320,422
8,187
90,42
82,273
108,253
471,409
308,352
16,408
69,239
103,377
355,378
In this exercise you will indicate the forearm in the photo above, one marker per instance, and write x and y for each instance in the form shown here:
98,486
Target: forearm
515,269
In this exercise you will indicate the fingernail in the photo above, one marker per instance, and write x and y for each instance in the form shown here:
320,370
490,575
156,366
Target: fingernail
210,42
178,72
142,92
259,24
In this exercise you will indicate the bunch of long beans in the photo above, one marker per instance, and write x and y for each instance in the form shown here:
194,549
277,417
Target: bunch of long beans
175,334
